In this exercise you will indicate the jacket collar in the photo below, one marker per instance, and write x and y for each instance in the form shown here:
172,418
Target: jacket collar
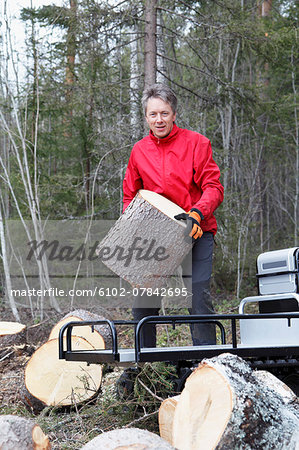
175,130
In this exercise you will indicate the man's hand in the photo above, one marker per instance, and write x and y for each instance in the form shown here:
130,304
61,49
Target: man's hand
193,217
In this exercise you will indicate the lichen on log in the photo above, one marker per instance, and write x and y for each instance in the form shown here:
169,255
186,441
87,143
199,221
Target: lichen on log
227,405
18,433
124,438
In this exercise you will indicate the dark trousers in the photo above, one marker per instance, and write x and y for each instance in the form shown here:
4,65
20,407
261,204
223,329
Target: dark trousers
197,275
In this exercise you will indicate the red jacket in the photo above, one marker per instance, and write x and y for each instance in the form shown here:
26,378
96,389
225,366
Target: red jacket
181,168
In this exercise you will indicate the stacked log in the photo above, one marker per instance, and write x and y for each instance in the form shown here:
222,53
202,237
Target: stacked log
18,433
225,404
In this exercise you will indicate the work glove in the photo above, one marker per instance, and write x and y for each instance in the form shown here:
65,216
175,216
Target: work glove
193,218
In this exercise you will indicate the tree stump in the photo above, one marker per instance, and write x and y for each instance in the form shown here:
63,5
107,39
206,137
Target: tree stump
12,333
128,438
18,433
99,338
146,244
50,381
225,404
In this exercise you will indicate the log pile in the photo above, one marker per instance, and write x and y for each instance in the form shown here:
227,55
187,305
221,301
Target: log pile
149,254
49,381
225,404
18,433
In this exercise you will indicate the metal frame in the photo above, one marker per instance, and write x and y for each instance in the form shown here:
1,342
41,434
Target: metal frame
176,354
266,298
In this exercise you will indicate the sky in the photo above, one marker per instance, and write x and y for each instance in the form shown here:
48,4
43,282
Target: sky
14,8
17,32
18,35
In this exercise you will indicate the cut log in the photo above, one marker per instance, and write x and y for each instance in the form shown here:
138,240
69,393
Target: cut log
12,333
146,244
166,415
99,338
18,433
50,381
128,438
274,383
225,404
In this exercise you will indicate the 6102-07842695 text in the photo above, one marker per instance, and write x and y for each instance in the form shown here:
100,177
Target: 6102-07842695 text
163,292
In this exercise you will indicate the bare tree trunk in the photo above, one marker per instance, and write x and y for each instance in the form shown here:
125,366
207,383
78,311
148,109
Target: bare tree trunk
35,81
264,7
70,65
150,46
71,52
30,187
296,139
226,113
161,68
5,263
134,84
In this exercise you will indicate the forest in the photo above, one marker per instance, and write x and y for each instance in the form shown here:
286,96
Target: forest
69,118
70,113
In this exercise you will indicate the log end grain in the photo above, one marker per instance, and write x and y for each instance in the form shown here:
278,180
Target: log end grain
12,333
49,381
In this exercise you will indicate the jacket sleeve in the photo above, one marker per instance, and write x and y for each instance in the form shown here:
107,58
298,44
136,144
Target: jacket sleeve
132,182
207,178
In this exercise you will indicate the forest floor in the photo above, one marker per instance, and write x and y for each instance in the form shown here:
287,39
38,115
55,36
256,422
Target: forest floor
71,428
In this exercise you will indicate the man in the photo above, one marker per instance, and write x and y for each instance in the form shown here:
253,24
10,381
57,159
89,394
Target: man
178,164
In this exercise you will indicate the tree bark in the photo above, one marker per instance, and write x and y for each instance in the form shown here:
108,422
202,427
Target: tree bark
99,338
161,67
227,405
12,333
150,47
18,433
264,7
50,381
127,438
134,82
5,262
71,52
146,244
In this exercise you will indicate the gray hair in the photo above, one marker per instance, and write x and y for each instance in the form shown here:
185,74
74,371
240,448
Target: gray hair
161,91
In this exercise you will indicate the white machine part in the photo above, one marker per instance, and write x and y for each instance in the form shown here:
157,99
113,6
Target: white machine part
278,271
278,280
261,332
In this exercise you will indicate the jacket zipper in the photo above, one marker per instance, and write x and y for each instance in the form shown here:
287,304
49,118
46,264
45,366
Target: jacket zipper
163,168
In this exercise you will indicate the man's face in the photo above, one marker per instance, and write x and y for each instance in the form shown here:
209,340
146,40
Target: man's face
160,117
